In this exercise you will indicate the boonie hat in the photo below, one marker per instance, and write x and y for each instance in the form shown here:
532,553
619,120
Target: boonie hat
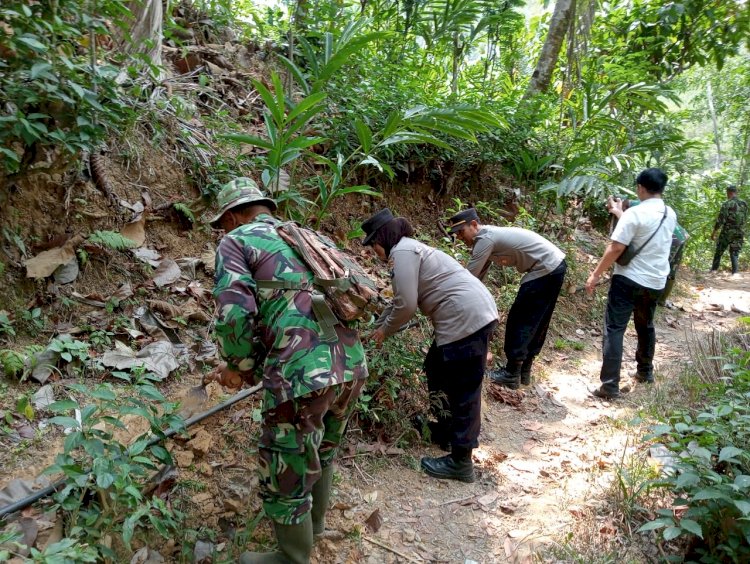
371,226
732,188
461,220
237,192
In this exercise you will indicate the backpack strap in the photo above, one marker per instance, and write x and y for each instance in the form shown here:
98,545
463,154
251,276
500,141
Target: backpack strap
323,313
281,285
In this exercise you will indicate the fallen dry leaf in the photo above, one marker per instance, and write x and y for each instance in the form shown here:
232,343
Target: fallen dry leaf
46,262
374,521
531,425
489,499
513,398
135,231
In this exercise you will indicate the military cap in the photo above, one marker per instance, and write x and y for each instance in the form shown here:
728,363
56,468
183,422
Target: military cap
237,192
732,188
371,226
461,220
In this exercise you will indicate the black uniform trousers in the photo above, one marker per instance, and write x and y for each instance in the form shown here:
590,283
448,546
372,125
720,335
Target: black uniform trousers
530,314
454,380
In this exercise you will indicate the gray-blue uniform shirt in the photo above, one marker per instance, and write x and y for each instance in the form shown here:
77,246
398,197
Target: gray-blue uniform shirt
530,253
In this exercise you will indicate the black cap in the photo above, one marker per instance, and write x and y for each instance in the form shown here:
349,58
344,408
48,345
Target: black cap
732,188
371,226
461,219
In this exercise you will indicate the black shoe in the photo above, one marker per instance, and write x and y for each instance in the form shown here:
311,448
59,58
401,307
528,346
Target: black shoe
601,393
644,378
446,468
504,378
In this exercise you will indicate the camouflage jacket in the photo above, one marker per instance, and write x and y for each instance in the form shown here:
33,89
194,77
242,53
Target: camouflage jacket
732,217
276,328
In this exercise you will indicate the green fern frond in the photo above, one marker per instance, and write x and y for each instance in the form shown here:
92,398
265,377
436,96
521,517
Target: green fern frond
184,210
12,362
111,240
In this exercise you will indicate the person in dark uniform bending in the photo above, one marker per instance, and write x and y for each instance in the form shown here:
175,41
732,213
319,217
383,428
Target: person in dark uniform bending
463,314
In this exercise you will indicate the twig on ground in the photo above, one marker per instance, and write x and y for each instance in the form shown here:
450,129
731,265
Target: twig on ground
458,500
390,548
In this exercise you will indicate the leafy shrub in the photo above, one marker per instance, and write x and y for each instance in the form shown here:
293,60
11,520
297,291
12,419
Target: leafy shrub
51,87
104,477
711,474
395,390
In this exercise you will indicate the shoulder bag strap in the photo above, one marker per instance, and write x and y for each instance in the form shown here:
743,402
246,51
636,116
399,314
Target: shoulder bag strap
654,233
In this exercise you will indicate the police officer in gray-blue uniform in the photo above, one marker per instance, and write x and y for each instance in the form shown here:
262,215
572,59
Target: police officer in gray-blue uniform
463,314
543,267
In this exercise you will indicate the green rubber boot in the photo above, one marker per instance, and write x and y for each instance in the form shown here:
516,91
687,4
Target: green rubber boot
295,546
321,493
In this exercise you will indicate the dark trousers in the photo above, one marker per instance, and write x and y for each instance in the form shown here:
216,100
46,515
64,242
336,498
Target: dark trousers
454,380
735,245
625,298
530,314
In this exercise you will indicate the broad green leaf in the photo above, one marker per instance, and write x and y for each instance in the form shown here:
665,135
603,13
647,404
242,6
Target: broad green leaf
32,41
67,422
306,104
708,493
296,72
62,405
363,189
742,481
247,139
38,68
276,112
656,524
687,479
671,533
729,453
103,394
692,527
743,506
364,135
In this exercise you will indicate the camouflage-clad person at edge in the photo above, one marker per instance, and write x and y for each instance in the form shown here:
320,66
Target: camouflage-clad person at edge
731,221
310,384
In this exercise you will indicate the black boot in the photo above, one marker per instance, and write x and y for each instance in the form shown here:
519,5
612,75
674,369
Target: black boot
454,466
510,376
526,371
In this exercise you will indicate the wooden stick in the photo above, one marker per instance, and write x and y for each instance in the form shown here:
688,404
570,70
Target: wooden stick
393,550
458,500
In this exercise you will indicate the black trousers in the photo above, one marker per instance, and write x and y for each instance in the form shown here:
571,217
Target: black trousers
454,380
625,298
530,314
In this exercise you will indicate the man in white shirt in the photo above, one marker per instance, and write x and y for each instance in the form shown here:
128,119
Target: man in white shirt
637,286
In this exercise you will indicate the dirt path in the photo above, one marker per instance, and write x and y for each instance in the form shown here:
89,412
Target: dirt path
540,467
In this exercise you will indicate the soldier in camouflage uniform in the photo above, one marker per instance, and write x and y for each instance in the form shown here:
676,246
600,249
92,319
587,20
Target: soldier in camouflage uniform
731,221
310,384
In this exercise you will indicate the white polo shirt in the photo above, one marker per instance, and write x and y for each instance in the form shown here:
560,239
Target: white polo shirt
650,266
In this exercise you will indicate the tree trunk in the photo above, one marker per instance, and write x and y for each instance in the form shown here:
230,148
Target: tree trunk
712,109
145,33
558,26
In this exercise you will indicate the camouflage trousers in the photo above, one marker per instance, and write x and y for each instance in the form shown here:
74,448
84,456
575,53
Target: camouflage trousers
298,438
733,240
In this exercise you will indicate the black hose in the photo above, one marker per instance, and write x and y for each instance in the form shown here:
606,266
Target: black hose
49,490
